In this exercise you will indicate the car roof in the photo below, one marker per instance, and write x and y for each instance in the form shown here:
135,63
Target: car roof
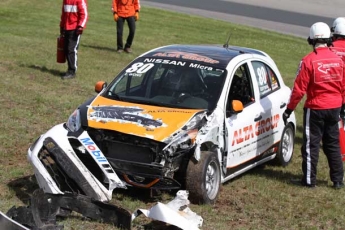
204,54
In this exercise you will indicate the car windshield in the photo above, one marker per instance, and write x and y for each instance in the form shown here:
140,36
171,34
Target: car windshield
169,83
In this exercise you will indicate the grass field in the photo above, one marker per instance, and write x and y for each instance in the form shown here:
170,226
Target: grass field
34,98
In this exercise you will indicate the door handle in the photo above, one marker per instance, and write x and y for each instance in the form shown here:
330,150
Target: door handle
258,118
282,105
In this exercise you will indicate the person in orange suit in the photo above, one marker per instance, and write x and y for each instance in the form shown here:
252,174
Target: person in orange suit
125,10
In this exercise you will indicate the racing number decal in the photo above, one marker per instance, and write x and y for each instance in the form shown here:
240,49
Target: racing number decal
262,75
139,67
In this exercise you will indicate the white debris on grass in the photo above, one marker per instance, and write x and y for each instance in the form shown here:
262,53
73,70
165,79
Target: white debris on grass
176,212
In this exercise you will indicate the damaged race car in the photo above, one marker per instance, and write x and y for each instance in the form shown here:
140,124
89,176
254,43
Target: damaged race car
178,116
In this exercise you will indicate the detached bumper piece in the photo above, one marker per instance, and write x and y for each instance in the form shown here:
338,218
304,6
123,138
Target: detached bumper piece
68,167
9,224
45,208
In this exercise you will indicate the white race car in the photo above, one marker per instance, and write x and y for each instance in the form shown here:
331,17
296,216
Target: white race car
177,117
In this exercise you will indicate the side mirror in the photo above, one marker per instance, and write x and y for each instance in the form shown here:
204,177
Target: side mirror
236,107
100,86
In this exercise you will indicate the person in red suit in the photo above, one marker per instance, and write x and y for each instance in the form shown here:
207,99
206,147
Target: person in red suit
73,21
339,40
321,77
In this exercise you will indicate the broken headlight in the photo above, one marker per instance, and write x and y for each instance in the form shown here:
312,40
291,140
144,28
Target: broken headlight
185,138
73,123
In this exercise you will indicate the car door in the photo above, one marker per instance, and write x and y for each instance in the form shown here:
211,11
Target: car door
268,86
242,138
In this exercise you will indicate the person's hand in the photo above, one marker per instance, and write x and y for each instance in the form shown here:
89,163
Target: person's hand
342,112
116,17
136,16
61,30
286,115
79,30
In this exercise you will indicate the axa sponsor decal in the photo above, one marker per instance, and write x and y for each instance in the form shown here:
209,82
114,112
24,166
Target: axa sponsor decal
93,149
187,56
256,129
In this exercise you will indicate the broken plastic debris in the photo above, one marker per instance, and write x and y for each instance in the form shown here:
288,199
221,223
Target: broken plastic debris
176,212
10,224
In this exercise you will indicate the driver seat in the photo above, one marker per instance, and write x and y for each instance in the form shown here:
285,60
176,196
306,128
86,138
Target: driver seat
186,81
190,82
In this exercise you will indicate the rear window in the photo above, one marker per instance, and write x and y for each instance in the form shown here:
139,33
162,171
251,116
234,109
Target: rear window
266,78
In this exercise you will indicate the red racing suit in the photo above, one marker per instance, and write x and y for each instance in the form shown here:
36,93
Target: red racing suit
321,77
126,8
339,48
74,14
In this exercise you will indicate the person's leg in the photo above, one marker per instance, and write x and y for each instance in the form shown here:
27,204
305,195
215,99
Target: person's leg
68,38
72,50
119,29
312,134
331,146
71,47
131,27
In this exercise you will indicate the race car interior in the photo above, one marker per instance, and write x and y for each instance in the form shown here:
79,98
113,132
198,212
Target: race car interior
173,86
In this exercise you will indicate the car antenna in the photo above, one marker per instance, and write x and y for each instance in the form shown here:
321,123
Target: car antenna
226,45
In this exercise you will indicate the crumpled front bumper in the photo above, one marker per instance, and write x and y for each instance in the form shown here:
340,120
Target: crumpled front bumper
52,157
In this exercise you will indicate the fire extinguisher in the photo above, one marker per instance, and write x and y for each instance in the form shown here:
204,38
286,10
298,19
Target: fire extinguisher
60,53
342,138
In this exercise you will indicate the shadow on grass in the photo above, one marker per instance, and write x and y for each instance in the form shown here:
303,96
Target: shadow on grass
157,225
279,175
24,187
44,69
146,196
99,48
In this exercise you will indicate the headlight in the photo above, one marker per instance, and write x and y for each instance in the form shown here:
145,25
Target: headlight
186,137
183,141
73,123
195,122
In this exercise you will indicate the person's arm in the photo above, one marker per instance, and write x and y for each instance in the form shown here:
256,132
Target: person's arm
114,7
62,19
82,13
342,110
300,85
136,5
298,90
343,85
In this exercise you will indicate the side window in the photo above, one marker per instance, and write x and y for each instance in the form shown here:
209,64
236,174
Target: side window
266,78
241,87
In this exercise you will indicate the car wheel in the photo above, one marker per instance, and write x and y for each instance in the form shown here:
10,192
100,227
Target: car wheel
203,179
286,146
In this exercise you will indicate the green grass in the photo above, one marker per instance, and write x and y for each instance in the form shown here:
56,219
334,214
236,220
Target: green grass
34,98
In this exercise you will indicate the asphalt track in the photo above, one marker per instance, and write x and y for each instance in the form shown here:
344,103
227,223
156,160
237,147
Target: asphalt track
285,16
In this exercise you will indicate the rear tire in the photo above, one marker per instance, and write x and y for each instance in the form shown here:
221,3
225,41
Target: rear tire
203,179
286,146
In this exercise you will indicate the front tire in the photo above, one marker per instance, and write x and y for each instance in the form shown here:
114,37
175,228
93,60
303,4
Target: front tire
203,179
286,146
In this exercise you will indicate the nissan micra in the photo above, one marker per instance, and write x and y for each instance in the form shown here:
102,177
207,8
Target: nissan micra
178,116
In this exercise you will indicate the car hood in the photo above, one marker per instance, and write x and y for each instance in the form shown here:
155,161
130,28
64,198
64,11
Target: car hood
154,122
